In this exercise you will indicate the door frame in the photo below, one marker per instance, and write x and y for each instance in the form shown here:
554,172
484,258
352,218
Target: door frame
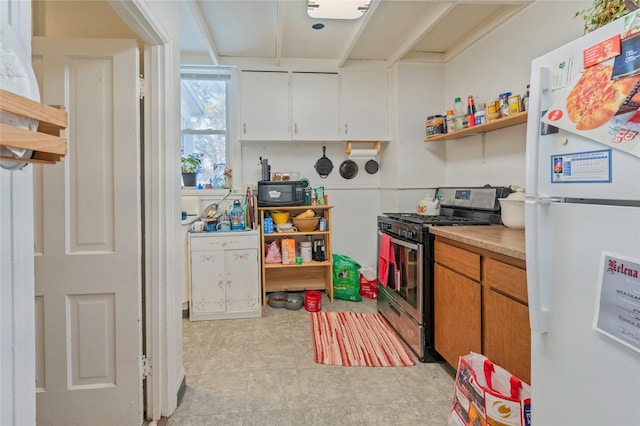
162,325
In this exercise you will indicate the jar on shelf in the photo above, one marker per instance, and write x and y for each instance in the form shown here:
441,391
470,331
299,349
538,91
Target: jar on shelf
434,125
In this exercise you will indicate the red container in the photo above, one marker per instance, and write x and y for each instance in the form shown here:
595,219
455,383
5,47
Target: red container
312,301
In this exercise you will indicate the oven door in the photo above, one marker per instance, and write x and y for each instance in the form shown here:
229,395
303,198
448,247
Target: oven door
404,280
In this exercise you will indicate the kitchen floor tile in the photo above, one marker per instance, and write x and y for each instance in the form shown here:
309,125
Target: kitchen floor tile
260,371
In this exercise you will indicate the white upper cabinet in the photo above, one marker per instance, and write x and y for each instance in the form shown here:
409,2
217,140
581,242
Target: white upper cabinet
314,101
364,105
264,106
309,106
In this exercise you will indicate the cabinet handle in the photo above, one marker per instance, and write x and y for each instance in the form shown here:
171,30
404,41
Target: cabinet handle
346,128
244,128
295,128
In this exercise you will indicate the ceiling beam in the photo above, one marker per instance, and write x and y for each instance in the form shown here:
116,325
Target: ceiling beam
281,6
198,16
439,12
355,35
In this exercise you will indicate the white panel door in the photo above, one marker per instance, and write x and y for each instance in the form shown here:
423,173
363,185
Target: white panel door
88,244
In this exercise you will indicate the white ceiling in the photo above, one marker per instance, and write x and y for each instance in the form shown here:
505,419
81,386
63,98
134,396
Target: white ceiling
392,30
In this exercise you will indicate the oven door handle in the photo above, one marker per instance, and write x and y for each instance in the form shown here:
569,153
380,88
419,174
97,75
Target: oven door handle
411,246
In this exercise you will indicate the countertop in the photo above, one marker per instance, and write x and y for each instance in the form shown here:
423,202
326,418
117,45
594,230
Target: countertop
497,238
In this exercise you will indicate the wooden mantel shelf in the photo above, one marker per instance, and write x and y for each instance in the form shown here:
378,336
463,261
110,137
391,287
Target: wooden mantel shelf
48,144
492,125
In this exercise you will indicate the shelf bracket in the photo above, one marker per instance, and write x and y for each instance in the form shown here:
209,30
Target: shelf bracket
483,147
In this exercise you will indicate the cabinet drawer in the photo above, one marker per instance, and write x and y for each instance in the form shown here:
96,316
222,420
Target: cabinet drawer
230,242
506,278
460,260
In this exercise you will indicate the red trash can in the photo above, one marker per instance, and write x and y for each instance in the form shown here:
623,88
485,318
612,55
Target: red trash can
312,300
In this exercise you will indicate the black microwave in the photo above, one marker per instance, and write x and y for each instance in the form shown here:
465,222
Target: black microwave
280,193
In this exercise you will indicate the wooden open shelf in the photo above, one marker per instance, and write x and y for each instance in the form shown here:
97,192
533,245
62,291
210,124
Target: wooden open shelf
492,125
48,144
314,275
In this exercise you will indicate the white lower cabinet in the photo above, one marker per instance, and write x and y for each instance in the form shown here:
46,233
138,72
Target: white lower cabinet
225,275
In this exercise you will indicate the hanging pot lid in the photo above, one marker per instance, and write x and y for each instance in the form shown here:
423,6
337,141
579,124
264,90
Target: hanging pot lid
348,169
371,167
324,165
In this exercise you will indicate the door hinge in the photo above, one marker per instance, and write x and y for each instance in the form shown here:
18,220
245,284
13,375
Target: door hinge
146,366
141,79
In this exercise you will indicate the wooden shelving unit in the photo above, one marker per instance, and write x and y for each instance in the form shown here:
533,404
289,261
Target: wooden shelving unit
47,142
314,275
492,125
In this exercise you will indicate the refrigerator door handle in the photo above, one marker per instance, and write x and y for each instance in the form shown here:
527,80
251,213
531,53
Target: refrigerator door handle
537,286
544,200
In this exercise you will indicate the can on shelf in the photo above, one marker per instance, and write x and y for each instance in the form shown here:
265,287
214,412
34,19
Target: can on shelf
514,104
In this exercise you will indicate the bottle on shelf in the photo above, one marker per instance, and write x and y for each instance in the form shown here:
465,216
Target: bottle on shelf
525,99
451,121
471,111
460,117
504,104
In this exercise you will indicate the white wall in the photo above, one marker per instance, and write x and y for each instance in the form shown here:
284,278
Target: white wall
498,63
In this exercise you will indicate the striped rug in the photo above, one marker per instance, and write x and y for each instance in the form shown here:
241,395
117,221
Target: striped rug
357,339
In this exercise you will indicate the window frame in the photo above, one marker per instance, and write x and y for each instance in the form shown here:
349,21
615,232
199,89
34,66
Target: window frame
218,73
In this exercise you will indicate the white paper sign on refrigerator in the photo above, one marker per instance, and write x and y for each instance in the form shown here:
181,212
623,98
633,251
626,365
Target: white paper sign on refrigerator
618,300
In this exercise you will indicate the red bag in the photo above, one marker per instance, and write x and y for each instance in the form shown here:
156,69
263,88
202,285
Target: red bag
486,394
368,283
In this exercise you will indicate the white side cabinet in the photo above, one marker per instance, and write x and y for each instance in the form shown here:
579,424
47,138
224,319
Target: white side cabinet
364,105
264,106
225,275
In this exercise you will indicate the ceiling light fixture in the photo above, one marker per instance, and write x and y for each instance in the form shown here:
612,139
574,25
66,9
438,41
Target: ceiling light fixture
337,9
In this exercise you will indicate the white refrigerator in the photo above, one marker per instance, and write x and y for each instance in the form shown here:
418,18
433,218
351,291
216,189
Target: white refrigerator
582,230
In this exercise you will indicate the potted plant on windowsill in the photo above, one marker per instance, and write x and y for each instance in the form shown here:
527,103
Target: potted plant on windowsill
191,164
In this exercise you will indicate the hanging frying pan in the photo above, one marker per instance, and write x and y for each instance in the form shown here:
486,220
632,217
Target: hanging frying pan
371,167
348,169
324,165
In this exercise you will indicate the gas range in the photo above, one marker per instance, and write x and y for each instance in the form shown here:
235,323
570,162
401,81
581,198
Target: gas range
406,261
459,206
414,227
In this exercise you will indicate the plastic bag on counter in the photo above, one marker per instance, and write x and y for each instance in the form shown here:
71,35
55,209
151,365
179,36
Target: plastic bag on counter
346,278
368,283
273,254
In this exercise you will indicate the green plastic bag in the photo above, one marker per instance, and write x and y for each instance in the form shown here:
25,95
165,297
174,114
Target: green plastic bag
346,278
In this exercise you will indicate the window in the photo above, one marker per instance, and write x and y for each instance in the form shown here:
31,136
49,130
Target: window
204,95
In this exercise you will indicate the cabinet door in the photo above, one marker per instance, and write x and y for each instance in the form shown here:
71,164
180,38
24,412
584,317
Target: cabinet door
207,282
364,105
241,280
457,315
314,106
507,335
265,106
